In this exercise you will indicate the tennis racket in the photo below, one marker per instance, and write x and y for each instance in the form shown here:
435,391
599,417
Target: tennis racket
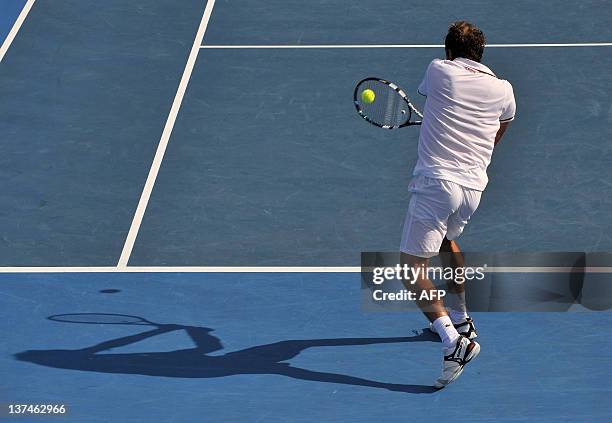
102,319
384,104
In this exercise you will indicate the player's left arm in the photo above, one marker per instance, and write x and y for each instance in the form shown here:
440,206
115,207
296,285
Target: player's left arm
507,114
500,132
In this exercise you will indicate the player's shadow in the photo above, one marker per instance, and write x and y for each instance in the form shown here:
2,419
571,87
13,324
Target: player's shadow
197,363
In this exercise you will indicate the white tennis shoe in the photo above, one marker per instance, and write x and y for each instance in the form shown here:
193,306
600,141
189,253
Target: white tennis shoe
455,359
465,328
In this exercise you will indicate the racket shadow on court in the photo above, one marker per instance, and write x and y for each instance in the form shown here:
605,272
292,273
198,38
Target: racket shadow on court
196,363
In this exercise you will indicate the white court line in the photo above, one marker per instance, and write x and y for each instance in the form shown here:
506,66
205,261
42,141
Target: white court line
15,29
265,269
165,137
306,46
179,269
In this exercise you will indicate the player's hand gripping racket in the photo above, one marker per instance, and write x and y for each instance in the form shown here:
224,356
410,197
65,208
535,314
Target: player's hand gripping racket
384,104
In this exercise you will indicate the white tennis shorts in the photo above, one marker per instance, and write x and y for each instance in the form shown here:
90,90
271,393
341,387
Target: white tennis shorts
437,209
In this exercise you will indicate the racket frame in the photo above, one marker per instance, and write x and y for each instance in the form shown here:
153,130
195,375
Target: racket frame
400,92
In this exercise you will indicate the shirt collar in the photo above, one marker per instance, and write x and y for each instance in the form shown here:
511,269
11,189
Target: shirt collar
474,65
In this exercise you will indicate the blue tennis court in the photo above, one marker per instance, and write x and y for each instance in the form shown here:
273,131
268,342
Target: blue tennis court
201,166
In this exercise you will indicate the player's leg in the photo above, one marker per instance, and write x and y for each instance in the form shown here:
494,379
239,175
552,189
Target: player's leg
432,308
424,229
452,257
458,349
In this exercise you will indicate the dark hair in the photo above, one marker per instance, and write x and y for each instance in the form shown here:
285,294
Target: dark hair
465,40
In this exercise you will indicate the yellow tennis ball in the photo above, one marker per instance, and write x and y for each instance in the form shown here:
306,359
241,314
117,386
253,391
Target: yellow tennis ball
368,96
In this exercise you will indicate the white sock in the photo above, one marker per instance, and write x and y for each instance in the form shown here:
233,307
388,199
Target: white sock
457,316
446,330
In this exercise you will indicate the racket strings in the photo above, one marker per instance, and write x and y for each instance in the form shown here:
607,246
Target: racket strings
388,109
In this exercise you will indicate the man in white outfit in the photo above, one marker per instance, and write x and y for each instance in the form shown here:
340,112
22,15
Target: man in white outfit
466,113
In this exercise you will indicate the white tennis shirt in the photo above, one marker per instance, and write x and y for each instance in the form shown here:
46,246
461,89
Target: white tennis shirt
465,104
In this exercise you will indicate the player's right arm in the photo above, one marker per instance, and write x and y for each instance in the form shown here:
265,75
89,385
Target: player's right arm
423,88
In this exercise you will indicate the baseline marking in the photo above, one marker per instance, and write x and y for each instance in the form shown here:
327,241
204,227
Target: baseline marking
165,137
306,46
15,29
271,269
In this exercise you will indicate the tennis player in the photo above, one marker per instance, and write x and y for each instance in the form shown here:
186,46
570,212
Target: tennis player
466,113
